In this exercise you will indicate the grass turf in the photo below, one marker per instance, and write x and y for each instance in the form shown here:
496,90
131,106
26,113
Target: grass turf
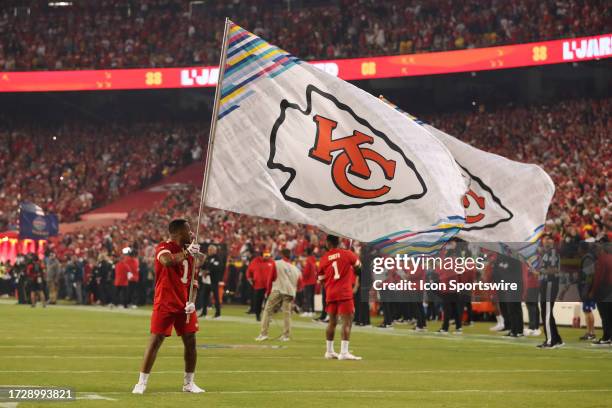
97,352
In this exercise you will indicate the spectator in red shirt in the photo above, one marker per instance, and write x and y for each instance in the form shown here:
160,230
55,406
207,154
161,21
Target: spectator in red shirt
309,280
259,273
133,276
121,283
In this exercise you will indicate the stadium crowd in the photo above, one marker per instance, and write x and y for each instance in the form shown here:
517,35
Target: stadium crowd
568,139
98,162
169,33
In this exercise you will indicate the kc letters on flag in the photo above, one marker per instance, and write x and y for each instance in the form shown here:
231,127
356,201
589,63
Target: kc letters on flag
296,144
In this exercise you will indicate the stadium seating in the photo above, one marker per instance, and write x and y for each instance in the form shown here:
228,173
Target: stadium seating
98,163
168,33
568,139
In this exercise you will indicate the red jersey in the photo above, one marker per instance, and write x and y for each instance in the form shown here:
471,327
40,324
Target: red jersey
132,264
337,268
35,272
309,273
121,272
260,272
171,282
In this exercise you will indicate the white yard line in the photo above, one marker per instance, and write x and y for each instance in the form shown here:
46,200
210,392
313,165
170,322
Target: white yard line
345,391
338,371
92,396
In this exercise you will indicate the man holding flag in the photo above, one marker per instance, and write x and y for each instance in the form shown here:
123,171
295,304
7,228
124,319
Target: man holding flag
172,307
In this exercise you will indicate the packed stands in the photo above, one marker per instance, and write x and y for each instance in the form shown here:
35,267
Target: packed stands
568,139
167,33
97,163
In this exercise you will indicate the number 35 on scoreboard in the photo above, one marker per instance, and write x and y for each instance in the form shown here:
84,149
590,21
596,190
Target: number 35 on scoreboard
153,78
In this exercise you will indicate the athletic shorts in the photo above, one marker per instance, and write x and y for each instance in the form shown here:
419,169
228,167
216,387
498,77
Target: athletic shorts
34,286
340,307
588,306
162,323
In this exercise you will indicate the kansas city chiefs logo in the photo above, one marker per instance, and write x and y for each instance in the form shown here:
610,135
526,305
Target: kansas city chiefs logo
337,160
483,209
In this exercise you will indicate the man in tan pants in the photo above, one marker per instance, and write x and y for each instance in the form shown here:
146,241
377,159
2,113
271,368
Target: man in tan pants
53,272
281,290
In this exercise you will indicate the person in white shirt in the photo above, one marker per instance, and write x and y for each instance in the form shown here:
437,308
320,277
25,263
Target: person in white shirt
281,290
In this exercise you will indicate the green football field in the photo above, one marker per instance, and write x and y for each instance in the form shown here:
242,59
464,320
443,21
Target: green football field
97,352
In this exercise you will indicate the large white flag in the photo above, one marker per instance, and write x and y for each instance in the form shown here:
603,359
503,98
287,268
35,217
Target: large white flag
506,201
296,144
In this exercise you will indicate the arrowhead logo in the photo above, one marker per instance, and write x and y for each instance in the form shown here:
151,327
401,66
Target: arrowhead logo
337,159
483,208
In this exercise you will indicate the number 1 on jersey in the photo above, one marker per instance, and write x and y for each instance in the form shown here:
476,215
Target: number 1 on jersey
336,272
185,270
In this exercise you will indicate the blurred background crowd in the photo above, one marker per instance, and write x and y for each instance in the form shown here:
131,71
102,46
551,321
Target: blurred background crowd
168,33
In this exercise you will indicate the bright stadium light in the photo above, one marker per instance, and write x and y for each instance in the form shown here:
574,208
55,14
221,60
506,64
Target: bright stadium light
60,3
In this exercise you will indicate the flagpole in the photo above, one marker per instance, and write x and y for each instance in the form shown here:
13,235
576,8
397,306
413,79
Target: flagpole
211,141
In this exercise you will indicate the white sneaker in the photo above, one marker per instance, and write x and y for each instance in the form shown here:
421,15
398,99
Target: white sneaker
191,387
139,388
347,356
331,356
497,327
284,338
528,332
536,332
261,337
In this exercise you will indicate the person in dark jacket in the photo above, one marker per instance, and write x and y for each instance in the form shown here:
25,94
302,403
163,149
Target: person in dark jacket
549,289
212,271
